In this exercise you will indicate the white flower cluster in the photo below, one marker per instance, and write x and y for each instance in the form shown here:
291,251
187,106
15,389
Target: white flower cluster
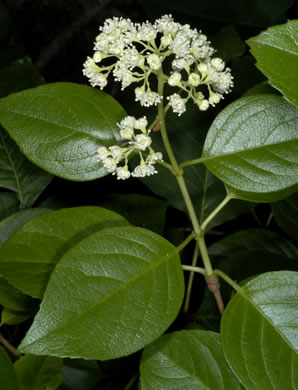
139,51
140,142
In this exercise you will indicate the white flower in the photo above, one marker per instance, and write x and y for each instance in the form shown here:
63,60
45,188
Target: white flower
146,32
154,157
177,103
203,104
218,63
147,99
110,164
141,123
194,79
154,61
122,173
174,79
224,82
121,73
117,152
142,142
143,170
102,152
214,98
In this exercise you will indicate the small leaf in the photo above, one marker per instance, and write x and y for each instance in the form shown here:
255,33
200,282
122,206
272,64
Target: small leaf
276,51
38,372
126,280
34,250
139,210
8,378
252,147
79,374
13,298
8,204
12,317
188,359
18,174
251,240
259,332
228,43
11,224
60,126
285,213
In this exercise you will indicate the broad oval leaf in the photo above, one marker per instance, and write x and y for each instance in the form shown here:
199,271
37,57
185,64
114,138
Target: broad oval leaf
252,146
188,359
18,174
12,223
8,204
12,317
30,255
259,332
276,52
80,374
12,298
38,372
60,126
109,296
8,378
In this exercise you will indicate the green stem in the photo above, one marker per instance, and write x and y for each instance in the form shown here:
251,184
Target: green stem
216,211
204,196
227,279
191,162
190,280
194,269
131,382
185,242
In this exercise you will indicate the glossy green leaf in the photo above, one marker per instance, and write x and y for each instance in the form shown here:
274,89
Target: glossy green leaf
17,76
139,210
18,174
30,255
188,359
38,372
126,280
285,213
8,204
79,374
276,52
12,223
259,332
12,317
13,298
60,126
252,146
251,240
8,378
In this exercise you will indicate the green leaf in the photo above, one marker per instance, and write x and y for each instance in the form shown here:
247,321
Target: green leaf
39,244
259,332
261,88
12,317
8,204
60,126
251,240
12,298
79,374
38,372
8,378
126,280
252,147
139,210
285,213
188,359
17,76
11,224
276,52
18,174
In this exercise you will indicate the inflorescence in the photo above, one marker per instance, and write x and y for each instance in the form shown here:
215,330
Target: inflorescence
132,53
138,50
137,142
